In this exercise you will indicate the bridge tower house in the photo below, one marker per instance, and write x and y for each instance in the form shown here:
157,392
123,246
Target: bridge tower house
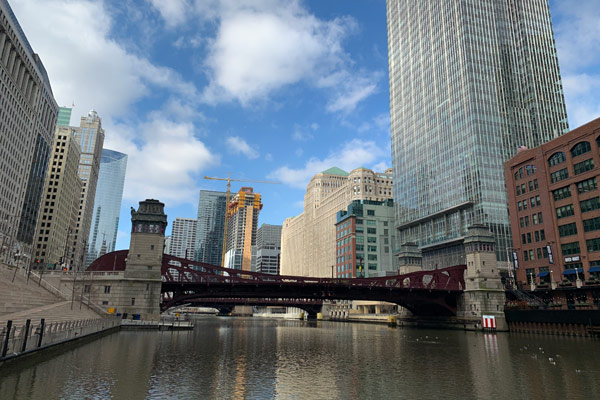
142,283
484,292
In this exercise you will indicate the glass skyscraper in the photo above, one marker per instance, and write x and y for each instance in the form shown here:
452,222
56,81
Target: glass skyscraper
211,226
470,82
107,204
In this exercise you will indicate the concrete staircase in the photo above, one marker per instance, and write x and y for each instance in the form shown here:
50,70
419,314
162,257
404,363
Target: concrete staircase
21,300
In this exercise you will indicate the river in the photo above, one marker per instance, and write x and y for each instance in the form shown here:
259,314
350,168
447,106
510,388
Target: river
252,358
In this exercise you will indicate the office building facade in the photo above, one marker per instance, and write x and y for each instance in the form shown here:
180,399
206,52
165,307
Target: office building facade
211,227
183,238
242,222
554,205
60,205
470,82
365,237
268,249
308,241
28,115
91,139
107,204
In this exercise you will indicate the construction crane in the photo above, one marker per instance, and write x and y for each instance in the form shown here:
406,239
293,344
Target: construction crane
229,180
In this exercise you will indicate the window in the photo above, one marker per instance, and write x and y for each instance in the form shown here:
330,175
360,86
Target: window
583,166
521,222
359,221
542,235
518,190
372,248
526,221
559,175
540,219
565,211
581,148
593,244
523,239
532,201
587,185
591,224
370,212
534,219
528,237
590,205
86,288
567,230
524,204
106,289
371,222
537,236
372,257
561,193
372,230
519,206
557,158
535,183
570,248
530,185
525,255
371,239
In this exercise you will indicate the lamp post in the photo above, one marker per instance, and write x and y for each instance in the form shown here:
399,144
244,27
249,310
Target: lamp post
553,284
532,281
578,282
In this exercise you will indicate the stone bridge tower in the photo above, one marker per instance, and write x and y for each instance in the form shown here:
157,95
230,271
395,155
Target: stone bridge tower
484,292
144,260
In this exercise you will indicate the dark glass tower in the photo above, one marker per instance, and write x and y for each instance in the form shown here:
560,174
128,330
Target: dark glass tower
470,82
211,227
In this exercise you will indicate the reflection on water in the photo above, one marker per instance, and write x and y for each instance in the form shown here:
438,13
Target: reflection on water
245,358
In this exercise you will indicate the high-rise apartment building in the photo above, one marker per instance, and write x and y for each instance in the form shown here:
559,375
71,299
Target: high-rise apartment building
27,120
211,226
91,139
107,204
470,82
242,222
308,241
60,205
183,238
268,249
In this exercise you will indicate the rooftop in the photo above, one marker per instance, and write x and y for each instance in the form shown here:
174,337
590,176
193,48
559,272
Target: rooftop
335,171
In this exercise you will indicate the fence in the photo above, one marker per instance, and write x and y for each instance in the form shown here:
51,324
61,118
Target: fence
18,340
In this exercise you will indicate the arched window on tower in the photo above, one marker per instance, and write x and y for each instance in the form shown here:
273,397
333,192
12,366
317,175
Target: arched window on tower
581,148
557,158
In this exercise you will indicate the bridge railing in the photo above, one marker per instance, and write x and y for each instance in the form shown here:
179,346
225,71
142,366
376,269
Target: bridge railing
179,270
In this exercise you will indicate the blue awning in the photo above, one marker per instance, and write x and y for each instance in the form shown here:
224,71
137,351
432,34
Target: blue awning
572,271
594,269
543,274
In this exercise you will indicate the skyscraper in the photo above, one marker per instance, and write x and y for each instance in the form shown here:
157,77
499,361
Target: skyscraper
107,204
58,213
183,238
470,82
91,139
27,120
242,222
268,249
211,225
64,116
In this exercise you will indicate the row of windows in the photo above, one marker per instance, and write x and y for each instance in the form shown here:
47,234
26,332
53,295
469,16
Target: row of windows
522,189
533,201
537,236
582,187
535,219
573,248
577,150
527,170
529,255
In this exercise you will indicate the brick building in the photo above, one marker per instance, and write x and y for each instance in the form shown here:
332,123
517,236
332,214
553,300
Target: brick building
554,207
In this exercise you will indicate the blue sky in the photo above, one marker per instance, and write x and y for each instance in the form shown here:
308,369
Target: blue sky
264,89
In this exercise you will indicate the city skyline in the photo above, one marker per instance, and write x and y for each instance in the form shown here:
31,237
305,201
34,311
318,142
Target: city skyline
173,90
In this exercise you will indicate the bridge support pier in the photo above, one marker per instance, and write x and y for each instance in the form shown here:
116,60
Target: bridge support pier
484,292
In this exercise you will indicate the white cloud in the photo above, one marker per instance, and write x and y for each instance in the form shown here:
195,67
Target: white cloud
577,33
238,145
380,166
262,46
174,12
88,66
301,135
352,155
164,161
84,63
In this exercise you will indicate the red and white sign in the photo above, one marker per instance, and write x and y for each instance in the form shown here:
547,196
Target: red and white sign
488,321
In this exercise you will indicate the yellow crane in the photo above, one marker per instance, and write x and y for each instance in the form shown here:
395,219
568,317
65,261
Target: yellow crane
229,180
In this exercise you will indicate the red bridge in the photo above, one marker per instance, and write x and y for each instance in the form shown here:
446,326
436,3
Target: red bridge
424,293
